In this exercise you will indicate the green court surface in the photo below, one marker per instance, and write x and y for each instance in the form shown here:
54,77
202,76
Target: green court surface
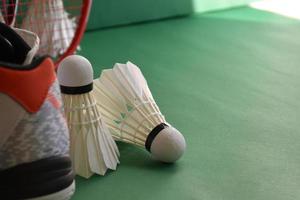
229,81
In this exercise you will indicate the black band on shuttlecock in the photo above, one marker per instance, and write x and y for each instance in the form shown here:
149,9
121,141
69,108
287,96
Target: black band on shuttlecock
76,90
153,134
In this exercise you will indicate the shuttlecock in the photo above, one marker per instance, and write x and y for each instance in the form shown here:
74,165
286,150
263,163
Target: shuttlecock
132,115
93,149
49,20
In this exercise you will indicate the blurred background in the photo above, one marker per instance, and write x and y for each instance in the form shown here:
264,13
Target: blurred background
107,13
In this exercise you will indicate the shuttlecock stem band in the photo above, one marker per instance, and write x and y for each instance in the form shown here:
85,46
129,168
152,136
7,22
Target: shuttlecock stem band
153,134
76,90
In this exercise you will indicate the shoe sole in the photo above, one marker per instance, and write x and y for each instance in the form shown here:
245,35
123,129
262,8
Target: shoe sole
65,194
50,178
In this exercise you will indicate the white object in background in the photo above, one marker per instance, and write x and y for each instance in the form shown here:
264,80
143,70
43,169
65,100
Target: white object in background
132,115
32,40
55,38
93,149
288,8
1,17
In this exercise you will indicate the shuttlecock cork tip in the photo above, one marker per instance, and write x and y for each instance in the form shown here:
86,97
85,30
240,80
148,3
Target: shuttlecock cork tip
169,145
75,75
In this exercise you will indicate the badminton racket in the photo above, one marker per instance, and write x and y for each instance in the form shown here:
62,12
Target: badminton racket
60,24
9,9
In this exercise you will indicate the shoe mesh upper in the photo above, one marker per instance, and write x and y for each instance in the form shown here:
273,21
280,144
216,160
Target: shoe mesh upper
38,135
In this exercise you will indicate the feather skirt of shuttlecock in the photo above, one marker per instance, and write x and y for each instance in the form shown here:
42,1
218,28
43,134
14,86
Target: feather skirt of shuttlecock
126,103
93,149
49,20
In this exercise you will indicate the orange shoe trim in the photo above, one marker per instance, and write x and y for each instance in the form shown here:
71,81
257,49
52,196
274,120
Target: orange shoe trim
28,87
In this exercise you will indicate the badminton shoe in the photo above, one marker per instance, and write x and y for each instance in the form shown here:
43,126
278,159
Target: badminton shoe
34,139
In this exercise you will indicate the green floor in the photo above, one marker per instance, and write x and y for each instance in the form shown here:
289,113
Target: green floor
229,81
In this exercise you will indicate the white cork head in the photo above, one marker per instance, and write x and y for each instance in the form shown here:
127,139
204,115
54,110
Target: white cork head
75,71
168,146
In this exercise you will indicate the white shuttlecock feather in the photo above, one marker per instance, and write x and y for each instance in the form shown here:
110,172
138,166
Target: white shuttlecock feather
93,149
49,20
132,115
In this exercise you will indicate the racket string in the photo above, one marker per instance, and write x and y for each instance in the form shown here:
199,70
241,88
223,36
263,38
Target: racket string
54,21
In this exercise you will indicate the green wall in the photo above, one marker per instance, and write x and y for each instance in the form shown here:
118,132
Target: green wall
210,5
106,13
